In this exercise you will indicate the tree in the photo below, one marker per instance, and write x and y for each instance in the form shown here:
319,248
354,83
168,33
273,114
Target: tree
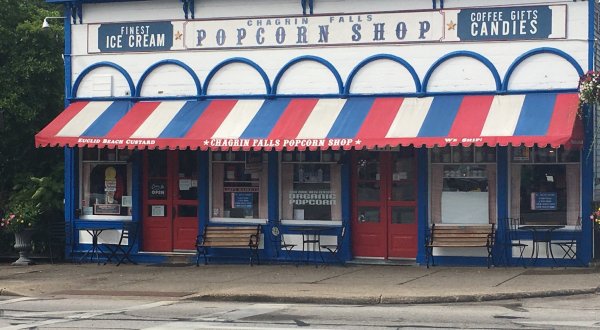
31,91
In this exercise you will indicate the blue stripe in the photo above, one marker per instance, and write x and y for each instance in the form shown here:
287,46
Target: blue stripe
184,119
105,122
351,117
440,116
536,114
265,119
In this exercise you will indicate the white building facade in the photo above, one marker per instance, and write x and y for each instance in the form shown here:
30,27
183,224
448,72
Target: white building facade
369,120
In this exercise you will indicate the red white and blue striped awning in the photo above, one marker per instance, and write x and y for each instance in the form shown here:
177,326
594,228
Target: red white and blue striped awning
310,123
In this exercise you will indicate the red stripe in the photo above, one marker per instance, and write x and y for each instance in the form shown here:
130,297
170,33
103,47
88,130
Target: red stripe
132,120
564,115
380,118
293,118
209,121
62,119
471,116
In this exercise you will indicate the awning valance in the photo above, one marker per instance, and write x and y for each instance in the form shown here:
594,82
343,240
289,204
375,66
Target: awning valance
311,123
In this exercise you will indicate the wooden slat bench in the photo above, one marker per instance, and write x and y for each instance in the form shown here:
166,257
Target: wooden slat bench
465,236
228,237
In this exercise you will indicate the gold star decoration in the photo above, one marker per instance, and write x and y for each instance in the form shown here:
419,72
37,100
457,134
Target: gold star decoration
451,26
178,35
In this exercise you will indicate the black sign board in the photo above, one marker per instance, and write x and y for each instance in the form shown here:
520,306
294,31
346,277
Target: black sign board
157,189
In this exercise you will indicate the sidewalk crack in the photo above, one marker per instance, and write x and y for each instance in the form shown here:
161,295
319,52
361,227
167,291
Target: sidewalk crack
332,277
418,277
508,279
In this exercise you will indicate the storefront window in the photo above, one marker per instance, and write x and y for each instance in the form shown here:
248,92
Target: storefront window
105,183
462,184
311,185
239,185
545,185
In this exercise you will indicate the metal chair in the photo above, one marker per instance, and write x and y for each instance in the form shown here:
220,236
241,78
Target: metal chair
122,250
569,246
280,243
334,249
511,239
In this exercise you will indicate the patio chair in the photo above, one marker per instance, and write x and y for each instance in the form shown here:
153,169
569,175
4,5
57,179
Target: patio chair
511,239
569,246
122,250
280,243
334,249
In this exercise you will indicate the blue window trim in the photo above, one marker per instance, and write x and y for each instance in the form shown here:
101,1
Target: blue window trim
538,51
311,58
241,60
394,58
178,63
462,53
93,67
343,90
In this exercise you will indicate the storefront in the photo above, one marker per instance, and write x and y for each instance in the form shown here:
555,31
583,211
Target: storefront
326,120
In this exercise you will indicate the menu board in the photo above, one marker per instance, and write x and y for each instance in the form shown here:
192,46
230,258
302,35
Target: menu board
544,201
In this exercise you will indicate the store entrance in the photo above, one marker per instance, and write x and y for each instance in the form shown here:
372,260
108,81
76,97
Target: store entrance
384,221
170,202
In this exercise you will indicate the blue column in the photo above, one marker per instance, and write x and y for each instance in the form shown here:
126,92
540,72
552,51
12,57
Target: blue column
346,251
70,199
273,204
137,193
203,190
502,184
422,202
70,158
587,187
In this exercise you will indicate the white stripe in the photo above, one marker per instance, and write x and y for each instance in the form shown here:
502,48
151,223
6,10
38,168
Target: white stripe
503,116
238,119
158,119
84,119
410,117
320,120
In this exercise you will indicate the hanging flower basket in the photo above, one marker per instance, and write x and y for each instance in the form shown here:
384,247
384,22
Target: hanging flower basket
589,89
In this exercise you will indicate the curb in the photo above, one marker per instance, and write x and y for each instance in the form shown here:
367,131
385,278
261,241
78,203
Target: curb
380,300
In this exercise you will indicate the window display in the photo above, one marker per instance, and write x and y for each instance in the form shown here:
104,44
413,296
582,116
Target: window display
463,181
105,183
311,185
545,185
239,185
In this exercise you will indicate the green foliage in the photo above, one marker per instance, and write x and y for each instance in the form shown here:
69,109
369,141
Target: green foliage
31,95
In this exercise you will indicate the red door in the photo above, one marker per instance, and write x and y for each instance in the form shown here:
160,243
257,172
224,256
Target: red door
385,207
170,205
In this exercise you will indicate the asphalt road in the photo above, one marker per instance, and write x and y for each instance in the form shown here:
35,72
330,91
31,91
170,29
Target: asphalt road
97,312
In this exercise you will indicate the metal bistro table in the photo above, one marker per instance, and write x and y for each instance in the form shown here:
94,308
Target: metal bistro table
95,250
541,234
311,237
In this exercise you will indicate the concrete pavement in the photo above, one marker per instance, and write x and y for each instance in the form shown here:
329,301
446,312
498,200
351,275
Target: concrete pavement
353,284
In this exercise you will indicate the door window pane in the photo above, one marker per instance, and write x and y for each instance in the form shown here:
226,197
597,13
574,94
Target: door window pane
368,166
188,175
369,214
403,215
157,163
368,191
187,211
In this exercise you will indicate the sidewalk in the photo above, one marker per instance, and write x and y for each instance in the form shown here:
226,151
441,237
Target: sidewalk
353,284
